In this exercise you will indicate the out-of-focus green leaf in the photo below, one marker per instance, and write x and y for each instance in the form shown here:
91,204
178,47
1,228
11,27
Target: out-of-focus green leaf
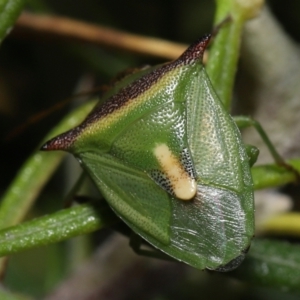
35,172
266,176
272,263
9,12
7,295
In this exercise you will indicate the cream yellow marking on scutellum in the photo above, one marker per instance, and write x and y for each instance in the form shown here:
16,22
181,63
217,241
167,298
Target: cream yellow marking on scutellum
183,185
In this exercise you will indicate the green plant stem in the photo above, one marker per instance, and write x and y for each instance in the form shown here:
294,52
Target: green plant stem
287,224
224,52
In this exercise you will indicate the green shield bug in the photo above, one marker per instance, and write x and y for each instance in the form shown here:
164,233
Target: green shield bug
170,161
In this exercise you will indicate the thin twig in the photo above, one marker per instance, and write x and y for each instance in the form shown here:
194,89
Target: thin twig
45,26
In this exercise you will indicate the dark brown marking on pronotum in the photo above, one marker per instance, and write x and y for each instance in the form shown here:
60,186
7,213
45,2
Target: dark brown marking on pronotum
136,88
193,53
63,141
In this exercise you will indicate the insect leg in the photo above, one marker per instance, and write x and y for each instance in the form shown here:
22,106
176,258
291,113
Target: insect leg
244,122
136,243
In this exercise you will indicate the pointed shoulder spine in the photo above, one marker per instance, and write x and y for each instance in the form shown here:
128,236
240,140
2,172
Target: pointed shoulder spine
195,52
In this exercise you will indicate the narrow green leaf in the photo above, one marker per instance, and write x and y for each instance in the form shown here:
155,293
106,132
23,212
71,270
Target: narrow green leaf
267,176
32,176
271,264
9,12
56,227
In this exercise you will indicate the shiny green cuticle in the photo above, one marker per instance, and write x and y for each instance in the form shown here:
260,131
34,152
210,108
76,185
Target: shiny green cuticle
197,208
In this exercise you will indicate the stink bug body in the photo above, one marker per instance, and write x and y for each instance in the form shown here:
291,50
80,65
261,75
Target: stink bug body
169,160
